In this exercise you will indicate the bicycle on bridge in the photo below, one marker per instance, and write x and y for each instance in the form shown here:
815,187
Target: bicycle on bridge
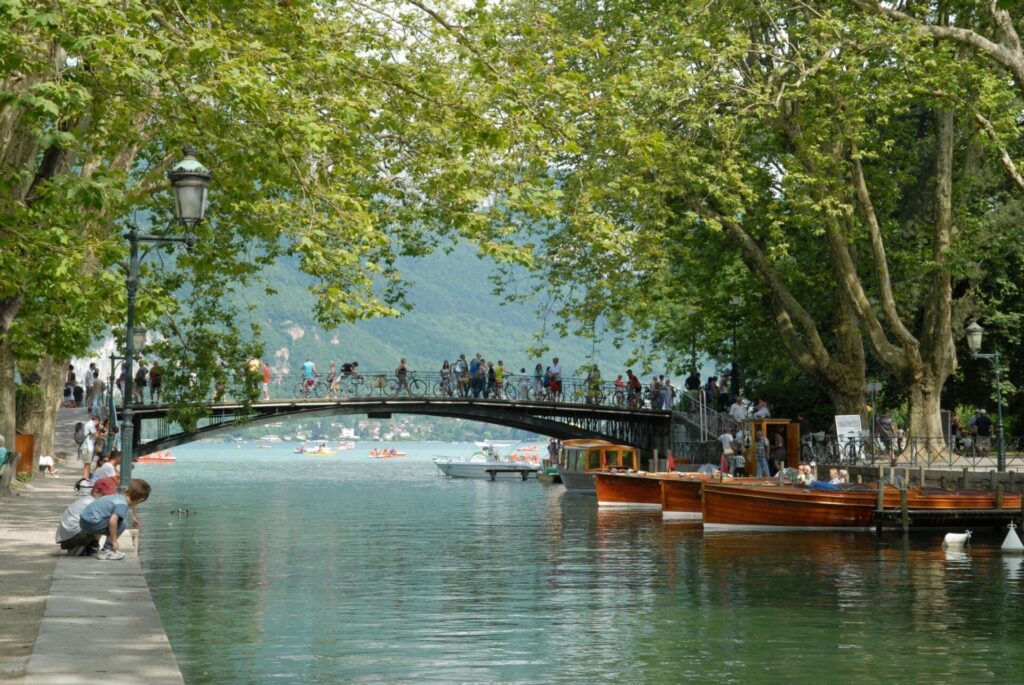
574,391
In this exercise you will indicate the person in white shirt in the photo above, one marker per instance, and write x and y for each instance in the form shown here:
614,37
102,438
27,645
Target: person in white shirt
108,469
556,378
89,445
737,411
762,411
726,439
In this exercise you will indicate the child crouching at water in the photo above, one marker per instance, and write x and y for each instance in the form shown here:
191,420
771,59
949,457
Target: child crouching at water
106,516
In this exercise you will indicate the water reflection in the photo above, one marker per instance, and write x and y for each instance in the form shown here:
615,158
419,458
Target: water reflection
348,570
1012,564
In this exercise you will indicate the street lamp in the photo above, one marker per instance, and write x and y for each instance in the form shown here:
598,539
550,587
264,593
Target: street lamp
974,333
189,181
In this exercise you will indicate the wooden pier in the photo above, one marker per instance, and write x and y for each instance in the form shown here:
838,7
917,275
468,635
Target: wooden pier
493,473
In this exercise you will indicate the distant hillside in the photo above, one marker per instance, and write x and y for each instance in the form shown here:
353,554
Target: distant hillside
454,311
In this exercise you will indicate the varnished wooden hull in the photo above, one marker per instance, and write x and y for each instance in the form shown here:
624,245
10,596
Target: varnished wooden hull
629,490
680,498
771,507
681,494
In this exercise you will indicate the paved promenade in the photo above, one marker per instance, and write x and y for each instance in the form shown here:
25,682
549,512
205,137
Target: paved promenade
67,620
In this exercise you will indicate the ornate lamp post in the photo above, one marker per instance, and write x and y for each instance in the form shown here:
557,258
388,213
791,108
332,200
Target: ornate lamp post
189,181
974,333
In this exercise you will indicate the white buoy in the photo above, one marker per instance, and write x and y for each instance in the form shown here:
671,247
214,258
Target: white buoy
956,540
1012,542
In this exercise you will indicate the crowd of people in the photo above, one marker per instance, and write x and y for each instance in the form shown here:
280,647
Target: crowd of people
89,389
100,510
478,377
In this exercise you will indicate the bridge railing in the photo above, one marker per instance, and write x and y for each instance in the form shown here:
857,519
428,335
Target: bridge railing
514,387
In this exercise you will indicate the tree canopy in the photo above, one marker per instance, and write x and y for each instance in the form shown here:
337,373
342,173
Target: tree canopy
837,157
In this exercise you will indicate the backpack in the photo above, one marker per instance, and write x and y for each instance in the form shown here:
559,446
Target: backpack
140,376
79,433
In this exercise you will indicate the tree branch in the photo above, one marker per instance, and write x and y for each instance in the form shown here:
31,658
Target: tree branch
1011,168
792,312
878,250
891,355
1006,53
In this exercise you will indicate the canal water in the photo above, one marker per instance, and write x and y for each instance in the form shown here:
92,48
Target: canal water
346,569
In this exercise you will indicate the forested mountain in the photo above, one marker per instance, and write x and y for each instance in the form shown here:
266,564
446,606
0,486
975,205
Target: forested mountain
454,311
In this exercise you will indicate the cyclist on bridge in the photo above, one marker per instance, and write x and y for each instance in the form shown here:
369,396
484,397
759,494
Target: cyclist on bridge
309,373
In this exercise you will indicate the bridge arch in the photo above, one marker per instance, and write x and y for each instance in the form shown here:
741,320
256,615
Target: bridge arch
646,429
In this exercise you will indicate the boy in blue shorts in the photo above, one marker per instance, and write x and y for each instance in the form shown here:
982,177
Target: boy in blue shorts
106,516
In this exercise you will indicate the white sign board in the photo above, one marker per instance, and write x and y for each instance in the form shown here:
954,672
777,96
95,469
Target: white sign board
847,427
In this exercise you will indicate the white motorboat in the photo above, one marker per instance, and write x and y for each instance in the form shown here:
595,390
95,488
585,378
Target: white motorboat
486,465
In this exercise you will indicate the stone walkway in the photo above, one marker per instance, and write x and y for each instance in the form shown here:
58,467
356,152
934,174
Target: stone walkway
72,620
100,626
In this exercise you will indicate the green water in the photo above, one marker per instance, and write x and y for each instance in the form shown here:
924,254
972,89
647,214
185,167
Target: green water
351,570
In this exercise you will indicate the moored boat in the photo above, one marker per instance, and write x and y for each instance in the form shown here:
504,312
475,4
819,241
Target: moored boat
681,493
625,490
580,460
768,506
162,457
486,464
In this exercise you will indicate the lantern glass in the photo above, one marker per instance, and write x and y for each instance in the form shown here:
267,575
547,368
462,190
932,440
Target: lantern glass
974,333
189,181
139,338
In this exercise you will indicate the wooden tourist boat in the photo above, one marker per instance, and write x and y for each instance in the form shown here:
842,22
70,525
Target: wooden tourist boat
625,490
580,460
681,493
768,506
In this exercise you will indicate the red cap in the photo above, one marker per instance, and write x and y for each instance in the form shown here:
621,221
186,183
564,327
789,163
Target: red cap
104,486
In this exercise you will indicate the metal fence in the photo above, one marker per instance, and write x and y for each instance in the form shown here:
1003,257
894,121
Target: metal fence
366,385
826,450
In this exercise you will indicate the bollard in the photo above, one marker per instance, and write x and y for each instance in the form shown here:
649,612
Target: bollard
904,514
906,477
999,496
963,480
881,473
860,478
920,476
942,481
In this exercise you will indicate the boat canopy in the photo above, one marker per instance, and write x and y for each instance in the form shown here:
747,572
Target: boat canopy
597,455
